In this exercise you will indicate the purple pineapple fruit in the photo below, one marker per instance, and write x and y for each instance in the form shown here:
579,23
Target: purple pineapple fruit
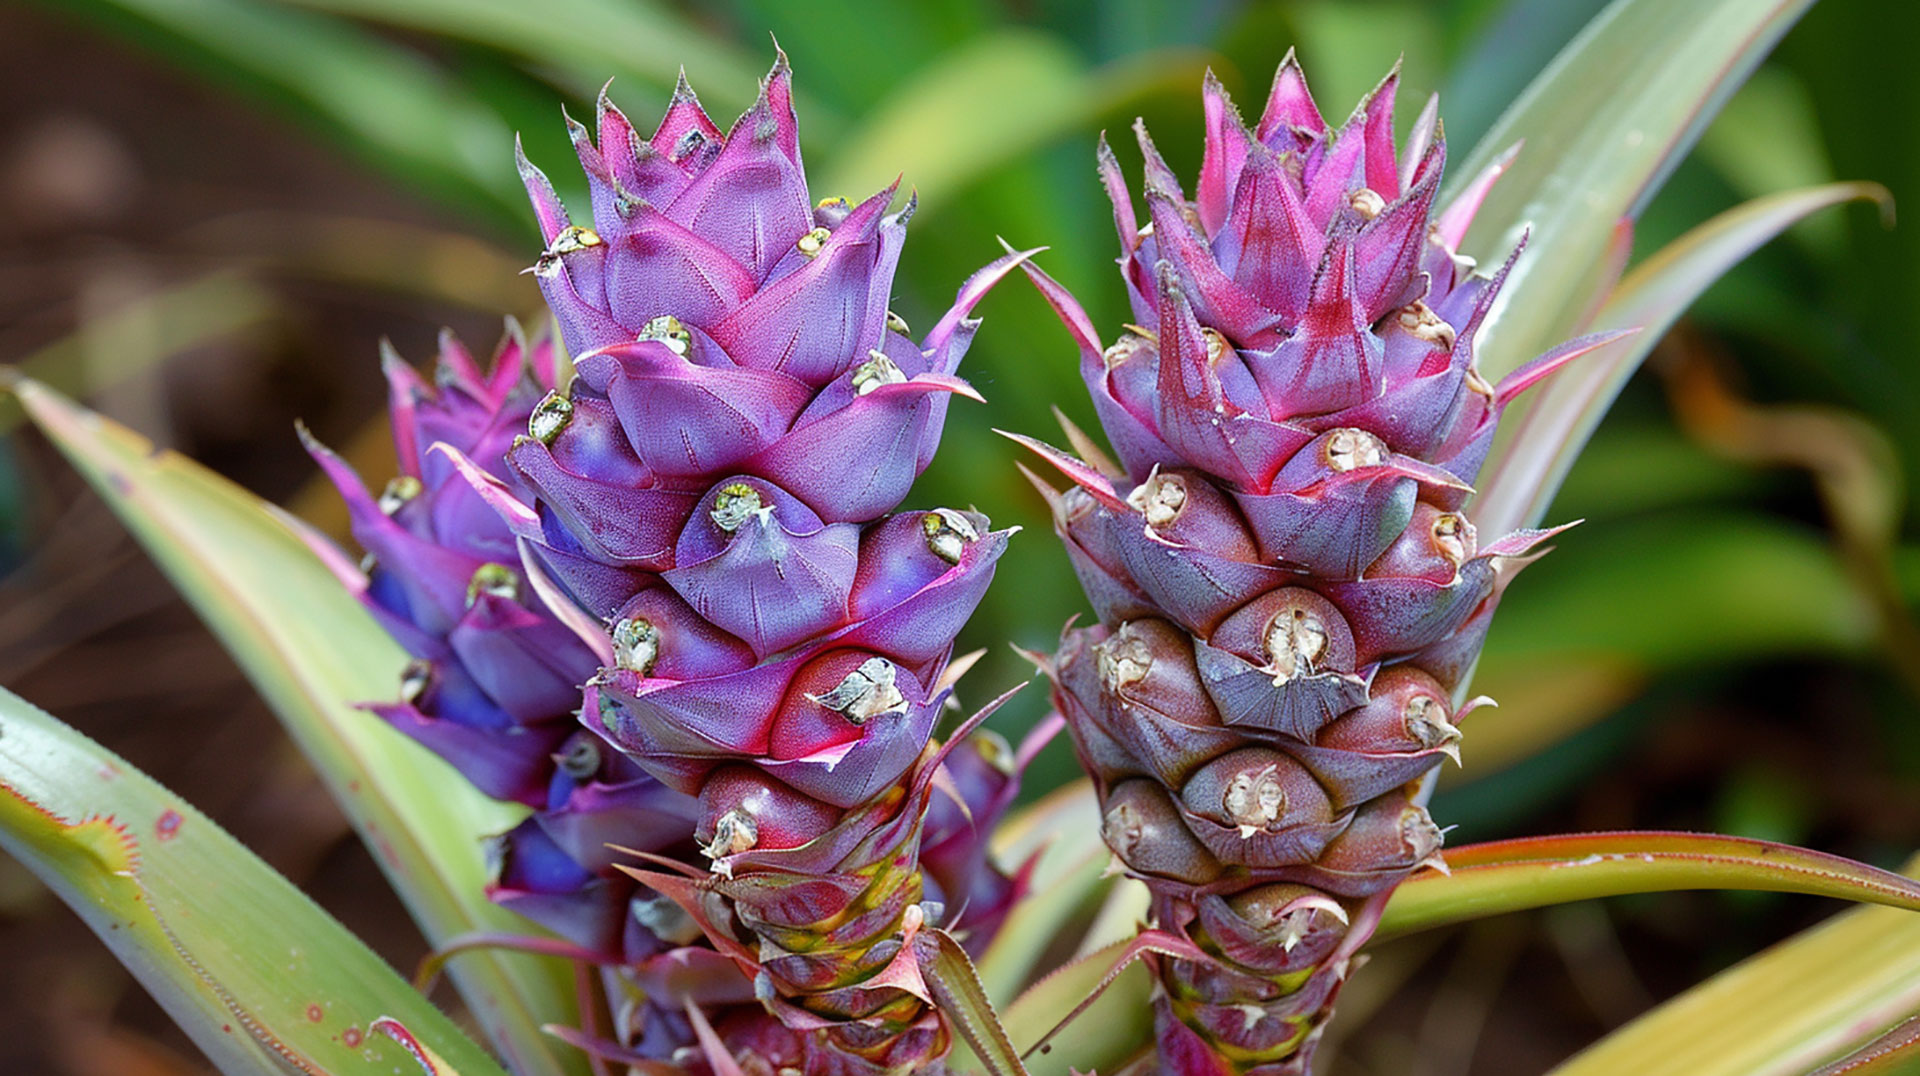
493,686
1289,594
706,503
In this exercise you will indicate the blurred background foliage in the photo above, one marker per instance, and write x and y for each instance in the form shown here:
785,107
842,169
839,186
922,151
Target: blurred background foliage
211,209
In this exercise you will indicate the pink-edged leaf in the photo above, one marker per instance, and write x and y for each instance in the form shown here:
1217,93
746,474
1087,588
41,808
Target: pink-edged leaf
956,989
1797,1005
1532,872
1603,125
1528,467
315,654
1896,1053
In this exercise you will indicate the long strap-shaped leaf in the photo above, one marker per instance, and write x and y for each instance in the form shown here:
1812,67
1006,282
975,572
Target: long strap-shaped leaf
1602,126
1781,1013
1896,1053
1063,829
314,653
258,976
380,99
1531,872
591,41
1528,467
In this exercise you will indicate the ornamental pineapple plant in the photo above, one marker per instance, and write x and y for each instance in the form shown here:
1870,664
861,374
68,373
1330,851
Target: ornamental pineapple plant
1290,593
659,605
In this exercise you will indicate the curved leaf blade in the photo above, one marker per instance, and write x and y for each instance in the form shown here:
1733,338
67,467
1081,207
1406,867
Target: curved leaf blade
384,102
257,975
1780,1013
1892,1054
1529,466
1593,158
1532,872
314,654
591,40
957,990
1068,881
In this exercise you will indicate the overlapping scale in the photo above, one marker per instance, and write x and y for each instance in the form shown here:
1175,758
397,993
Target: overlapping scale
1288,591
706,502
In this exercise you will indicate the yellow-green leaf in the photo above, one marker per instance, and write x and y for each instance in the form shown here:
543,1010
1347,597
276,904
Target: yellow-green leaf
314,653
1791,1008
257,975
1603,125
1531,872
1536,452
987,103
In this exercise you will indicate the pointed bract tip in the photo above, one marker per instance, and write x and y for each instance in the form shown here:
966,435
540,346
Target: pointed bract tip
390,356
1386,86
311,443
513,333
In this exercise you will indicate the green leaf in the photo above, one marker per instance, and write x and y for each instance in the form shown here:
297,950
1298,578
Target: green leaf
591,40
1791,1008
957,991
257,975
1896,1053
1068,881
1603,125
989,102
1540,448
386,103
1116,1026
1532,872
1557,661
314,653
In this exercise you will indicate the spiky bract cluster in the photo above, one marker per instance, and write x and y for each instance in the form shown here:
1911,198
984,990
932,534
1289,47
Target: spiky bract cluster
493,685
1289,594
706,504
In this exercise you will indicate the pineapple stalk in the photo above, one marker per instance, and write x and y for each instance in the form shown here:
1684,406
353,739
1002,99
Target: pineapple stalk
1290,595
